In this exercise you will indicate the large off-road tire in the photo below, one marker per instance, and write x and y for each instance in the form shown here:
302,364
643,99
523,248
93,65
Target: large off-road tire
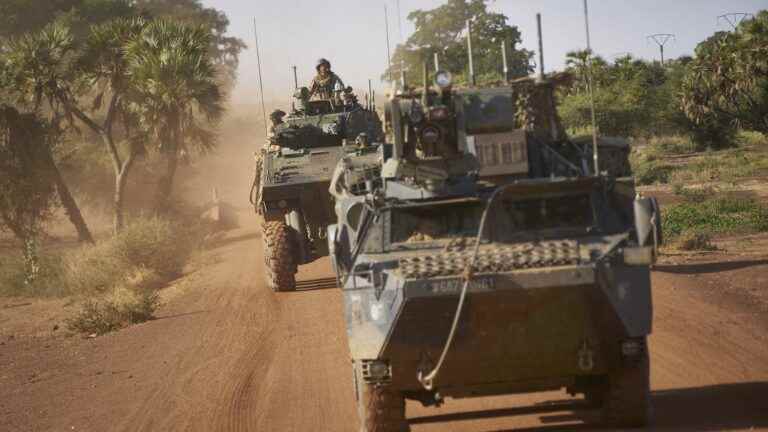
379,407
627,398
279,256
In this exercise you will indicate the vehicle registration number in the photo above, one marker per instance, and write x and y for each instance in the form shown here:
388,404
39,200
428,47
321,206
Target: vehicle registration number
454,286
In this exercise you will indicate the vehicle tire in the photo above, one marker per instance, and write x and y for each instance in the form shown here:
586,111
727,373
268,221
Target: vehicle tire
627,399
279,256
379,408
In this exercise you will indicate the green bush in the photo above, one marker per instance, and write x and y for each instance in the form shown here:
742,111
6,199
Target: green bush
715,216
695,241
647,170
151,243
671,145
751,139
121,307
49,282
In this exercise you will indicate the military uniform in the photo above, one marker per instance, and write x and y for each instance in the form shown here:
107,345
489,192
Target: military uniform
323,87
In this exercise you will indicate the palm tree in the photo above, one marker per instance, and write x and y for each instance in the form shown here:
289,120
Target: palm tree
174,93
104,65
38,71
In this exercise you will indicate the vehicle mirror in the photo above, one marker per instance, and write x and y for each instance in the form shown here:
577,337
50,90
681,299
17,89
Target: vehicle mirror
354,215
648,221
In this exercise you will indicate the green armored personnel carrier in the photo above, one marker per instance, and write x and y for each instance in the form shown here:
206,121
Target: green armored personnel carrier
490,258
293,174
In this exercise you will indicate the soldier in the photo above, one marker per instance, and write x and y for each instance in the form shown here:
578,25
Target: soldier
324,84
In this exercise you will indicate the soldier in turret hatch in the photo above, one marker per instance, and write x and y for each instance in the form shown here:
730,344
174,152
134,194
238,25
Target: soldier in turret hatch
325,82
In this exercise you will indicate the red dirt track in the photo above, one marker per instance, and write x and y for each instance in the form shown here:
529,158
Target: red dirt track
227,354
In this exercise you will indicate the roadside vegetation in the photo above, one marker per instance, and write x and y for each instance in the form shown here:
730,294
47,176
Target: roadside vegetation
95,94
116,280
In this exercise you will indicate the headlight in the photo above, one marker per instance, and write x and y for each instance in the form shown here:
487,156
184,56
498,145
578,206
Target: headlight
443,79
642,255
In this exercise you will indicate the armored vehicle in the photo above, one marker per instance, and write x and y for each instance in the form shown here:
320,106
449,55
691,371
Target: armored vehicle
294,169
489,258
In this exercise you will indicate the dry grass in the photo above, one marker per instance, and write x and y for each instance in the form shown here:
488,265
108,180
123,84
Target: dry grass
694,241
673,160
117,279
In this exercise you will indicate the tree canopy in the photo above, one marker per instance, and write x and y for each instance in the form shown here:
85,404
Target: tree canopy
18,17
443,30
727,82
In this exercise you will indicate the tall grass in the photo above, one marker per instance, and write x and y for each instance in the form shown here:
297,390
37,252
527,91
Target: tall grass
116,279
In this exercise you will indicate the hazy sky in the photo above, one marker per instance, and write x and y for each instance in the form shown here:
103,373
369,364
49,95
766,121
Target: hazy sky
351,33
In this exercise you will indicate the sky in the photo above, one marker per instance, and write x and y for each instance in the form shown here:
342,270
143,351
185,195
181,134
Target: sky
351,33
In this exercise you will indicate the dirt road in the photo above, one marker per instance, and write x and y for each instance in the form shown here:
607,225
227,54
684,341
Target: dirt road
226,354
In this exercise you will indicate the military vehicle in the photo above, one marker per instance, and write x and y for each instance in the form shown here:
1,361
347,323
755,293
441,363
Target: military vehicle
290,190
490,258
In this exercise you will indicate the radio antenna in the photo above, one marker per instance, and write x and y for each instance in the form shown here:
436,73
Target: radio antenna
541,46
402,43
469,53
370,94
261,84
590,86
389,54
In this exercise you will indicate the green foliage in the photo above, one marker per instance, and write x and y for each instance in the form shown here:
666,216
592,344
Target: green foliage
632,97
225,50
727,84
695,241
671,145
669,160
49,280
175,93
40,68
153,244
752,140
715,216
19,17
27,188
145,255
442,30
121,307
650,171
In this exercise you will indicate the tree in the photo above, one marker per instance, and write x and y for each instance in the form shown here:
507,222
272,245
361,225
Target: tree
174,93
224,50
727,83
38,72
442,30
27,184
103,64
19,17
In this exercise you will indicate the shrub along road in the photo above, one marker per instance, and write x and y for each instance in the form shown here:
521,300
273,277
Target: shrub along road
229,355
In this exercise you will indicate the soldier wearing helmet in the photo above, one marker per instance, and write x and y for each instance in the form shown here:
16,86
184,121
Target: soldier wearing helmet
325,82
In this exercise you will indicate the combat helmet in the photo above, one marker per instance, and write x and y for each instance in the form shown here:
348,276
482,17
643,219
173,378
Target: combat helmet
322,61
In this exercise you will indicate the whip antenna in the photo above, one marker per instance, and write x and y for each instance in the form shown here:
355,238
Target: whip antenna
590,86
389,54
261,85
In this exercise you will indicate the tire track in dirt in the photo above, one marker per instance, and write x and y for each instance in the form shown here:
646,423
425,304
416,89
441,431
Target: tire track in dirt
230,355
